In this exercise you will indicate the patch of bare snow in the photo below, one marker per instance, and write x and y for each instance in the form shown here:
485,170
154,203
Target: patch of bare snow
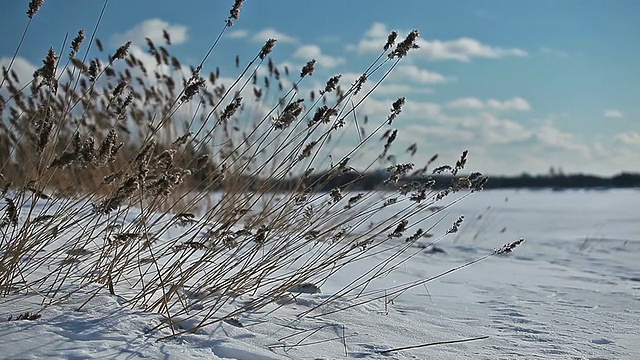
570,292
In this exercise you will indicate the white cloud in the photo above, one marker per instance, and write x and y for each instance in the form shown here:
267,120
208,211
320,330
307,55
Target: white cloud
501,131
629,138
152,29
553,138
466,103
271,33
237,34
377,30
422,134
462,49
515,104
309,52
422,76
22,68
613,113
600,149
374,39
149,62
510,146
486,127
421,110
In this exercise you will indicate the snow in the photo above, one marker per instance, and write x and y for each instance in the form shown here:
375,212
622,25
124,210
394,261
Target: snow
572,290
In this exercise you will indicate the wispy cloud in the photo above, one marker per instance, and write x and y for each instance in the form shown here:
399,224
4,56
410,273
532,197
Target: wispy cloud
463,49
271,33
500,144
613,114
373,40
483,126
466,103
152,29
629,138
22,68
418,75
516,103
496,130
426,133
237,34
553,138
308,52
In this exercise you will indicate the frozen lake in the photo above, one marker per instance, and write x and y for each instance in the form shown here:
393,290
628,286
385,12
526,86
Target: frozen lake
571,291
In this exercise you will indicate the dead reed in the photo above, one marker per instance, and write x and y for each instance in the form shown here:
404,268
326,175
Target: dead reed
181,192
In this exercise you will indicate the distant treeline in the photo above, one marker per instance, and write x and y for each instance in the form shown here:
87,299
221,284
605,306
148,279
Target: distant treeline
376,180
622,180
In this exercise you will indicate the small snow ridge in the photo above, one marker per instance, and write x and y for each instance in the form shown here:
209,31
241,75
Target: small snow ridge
306,288
601,341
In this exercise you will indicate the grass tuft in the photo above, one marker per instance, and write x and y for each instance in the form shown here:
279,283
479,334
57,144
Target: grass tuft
157,181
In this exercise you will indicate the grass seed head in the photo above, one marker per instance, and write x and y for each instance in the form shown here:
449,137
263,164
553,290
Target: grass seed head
44,126
322,115
289,115
396,109
234,13
10,214
230,110
121,110
34,7
122,51
456,225
399,230
332,83
306,152
48,71
391,39
407,44
94,70
267,48
75,44
308,68
508,247
460,163
357,86
194,84
336,195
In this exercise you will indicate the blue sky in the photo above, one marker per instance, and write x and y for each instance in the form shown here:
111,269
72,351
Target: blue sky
524,85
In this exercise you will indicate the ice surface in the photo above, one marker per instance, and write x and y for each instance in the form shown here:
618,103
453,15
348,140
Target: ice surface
572,290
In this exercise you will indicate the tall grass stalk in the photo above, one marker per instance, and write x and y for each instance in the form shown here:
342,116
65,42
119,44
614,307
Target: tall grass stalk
181,192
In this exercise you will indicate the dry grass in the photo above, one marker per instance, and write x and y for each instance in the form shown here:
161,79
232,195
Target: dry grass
168,183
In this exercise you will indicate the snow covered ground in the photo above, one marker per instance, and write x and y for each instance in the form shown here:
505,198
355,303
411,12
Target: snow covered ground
571,291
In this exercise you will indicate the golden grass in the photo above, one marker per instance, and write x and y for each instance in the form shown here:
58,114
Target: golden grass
170,183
